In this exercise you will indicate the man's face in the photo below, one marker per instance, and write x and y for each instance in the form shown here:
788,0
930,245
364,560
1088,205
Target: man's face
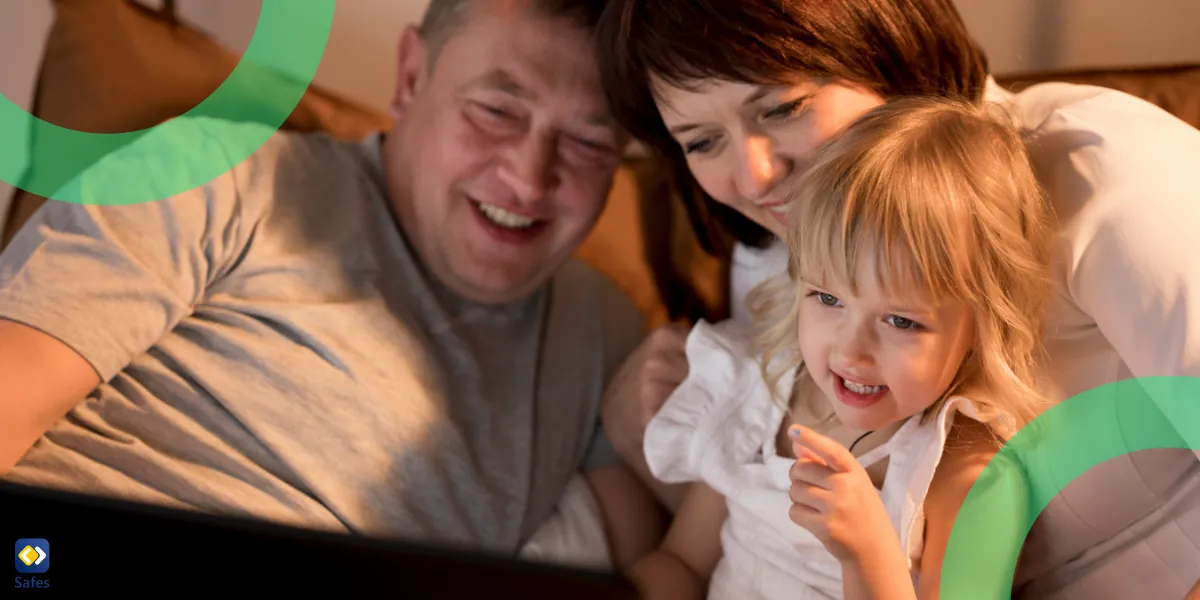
503,152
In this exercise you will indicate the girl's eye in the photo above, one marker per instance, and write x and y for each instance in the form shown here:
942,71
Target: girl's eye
902,323
826,299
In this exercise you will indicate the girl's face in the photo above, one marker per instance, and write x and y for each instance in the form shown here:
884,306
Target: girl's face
744,141
880,359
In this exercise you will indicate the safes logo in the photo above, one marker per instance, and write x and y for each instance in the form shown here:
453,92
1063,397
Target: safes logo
33,555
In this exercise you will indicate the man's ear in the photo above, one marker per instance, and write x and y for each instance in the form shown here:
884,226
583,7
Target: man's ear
410,70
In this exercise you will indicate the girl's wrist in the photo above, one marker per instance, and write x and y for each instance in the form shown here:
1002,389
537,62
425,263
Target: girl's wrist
875,558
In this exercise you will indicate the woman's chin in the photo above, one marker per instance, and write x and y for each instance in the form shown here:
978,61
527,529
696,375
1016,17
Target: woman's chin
772,222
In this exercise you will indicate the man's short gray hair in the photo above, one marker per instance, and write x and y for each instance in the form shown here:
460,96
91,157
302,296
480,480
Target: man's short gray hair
443,18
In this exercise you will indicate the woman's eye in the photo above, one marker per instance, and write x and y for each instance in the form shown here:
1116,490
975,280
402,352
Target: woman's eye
698,146
902,323
786,109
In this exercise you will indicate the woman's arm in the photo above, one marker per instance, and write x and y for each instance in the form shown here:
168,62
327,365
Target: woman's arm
633,521
1124,180
969,450
683,565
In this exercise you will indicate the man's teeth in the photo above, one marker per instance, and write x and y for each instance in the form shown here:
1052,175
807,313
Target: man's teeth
865,390
503,217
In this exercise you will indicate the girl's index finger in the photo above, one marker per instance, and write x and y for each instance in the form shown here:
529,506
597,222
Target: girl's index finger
829,452
803,453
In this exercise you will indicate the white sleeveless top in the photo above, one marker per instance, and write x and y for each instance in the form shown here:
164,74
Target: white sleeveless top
720,427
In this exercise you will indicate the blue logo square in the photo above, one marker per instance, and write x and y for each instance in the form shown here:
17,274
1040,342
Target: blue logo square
33,555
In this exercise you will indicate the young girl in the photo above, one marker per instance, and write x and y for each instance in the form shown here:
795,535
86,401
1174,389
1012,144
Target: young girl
832,450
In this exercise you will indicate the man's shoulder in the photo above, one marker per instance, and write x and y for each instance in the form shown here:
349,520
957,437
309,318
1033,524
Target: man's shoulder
286,165
254,146
612,303
621,324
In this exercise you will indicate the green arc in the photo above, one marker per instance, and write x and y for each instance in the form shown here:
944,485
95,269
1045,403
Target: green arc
1062,444
264,88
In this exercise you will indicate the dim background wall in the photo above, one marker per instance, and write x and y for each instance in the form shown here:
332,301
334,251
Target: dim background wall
1019,35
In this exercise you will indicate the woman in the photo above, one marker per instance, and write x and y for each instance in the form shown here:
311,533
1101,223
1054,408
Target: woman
737,96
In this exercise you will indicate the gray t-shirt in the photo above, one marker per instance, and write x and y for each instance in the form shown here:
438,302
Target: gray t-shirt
269,348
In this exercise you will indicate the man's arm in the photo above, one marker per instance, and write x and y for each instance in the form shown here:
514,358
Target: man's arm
41,378
87,287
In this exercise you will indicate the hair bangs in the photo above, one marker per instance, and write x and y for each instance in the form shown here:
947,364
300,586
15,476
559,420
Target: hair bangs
851,221
682,45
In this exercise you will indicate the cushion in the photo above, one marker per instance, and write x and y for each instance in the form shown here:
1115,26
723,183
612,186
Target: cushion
99,50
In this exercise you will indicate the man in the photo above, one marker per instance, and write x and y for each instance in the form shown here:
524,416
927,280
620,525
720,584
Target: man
386,338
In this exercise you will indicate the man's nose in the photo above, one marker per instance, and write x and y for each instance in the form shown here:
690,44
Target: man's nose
528,168
761,169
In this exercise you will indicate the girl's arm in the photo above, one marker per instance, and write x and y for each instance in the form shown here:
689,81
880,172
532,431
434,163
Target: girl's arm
682,566
969,449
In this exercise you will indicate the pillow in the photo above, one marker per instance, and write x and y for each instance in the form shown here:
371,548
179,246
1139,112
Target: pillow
98,50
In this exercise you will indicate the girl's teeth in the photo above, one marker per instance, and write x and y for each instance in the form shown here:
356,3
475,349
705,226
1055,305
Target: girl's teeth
865,390
503,218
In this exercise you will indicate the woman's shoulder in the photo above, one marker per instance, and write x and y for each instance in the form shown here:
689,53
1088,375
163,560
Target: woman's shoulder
1104,152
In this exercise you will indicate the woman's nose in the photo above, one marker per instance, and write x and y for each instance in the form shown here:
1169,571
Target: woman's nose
761,169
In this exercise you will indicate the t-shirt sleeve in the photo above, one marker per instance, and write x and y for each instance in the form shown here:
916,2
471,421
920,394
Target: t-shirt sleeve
110,280
623,328
600,451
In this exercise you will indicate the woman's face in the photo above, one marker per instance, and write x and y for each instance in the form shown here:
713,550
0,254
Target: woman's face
744,141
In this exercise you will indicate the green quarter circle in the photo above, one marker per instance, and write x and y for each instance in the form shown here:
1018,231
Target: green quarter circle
1034,466
170,158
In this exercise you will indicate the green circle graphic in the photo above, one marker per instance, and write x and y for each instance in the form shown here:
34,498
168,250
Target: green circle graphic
1063,443
264,88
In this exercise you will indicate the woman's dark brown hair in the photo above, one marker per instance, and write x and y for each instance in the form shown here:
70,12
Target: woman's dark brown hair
893,47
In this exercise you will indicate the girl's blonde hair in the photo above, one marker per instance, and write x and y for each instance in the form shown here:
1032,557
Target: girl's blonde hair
940,196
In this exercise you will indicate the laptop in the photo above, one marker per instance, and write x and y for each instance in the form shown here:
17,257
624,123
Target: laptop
72,544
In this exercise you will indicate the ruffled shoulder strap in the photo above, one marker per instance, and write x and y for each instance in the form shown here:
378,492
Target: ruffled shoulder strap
717,415
913,461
